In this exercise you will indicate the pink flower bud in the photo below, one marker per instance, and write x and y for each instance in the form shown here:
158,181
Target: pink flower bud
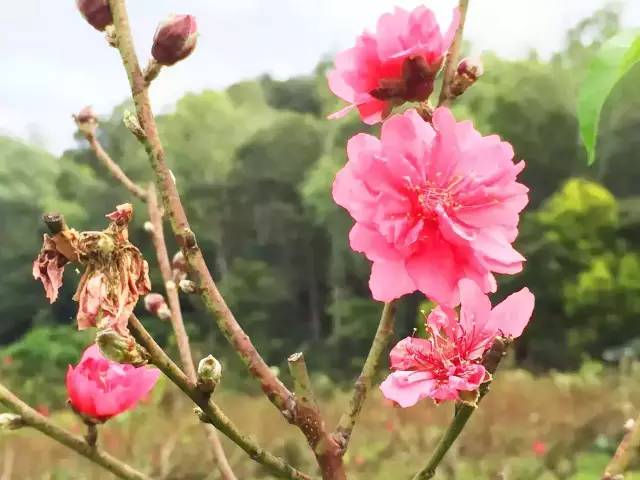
156,305
471,67
86,115
96,12
99,388
175,39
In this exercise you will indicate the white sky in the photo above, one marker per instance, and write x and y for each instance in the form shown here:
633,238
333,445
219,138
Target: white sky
52,63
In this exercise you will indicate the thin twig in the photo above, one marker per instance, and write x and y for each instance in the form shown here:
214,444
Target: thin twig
114,168
452,57
164,264
39,422
326,448
177,322
211,412
626,451
171,289
464,411
365,379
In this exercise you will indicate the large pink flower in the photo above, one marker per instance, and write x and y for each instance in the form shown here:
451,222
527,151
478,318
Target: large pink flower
432,205
100,388
448,362
397,64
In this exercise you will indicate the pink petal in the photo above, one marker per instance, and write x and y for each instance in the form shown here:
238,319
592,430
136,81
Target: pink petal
475,305
402,355
407,388
389,280
512,315
435,273
372,244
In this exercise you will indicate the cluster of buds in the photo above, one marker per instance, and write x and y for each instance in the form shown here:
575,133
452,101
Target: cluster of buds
175,38
179,267
156,305
467,72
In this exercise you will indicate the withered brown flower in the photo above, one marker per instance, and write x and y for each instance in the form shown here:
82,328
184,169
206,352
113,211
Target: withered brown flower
115,272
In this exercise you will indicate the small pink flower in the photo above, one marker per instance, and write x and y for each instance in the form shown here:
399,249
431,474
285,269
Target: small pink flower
48,267
100,388
448,362
539,448
397,64
432,205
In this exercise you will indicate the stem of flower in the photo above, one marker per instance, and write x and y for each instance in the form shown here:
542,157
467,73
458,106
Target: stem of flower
365,379
39,422
627,449
452,57
92,434
211,412
114,168
490,361
164,264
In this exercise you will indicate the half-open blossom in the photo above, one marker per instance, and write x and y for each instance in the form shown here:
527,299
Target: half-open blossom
449,361
433,204
396,64
99,388
48,267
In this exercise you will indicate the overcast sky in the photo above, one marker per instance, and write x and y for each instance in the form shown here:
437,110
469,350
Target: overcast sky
52,63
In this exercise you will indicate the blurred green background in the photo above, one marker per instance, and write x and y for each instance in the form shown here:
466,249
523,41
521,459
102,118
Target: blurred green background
255,163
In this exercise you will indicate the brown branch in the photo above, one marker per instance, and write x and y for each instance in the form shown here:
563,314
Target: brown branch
626,451
114,168
452,57
35,420
365,379
210,411
177,322
275,390
164,264
171,289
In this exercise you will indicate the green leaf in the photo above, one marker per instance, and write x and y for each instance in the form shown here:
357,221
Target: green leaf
613,60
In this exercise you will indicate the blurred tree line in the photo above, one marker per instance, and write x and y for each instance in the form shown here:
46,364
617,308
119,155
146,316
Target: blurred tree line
255,163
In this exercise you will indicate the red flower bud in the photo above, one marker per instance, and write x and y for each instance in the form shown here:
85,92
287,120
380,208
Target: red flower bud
96,12
86,115
471,67
156,305
175,39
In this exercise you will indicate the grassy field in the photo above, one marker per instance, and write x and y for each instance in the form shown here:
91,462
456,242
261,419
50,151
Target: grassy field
578,418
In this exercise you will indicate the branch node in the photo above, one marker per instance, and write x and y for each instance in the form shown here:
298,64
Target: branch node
54,222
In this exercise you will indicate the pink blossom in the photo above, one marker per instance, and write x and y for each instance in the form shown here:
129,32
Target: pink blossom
100,388
396,64
432,205
48,267
449,361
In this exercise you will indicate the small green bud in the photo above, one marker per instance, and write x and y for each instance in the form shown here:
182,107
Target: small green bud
209,374
10,421
119,348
